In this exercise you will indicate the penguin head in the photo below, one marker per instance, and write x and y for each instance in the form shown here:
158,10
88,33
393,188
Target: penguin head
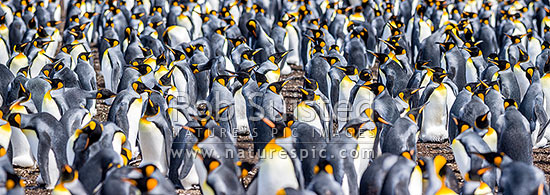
19,48
2,151
471,86
278,57
331,60
55,83
497,159
307,94
382,58
68,174
501,64
414,113
348,70
47,70
475,175
104,94
139,87
408,154
276,87
143,69
278,128
144,184
210,163
323,166
112,42
376,88
221,30
151,109
510,103
523,56
421,64
246,167
85,56
545,45
406,94
438,76
482,121
13,181
249,54
91,131
461,125
480,93
201,133
237,41
515,39
148,170
446,46
397,50
366,75
223,79
15,119
353,127
260,79
310,84
374,116
531,72
473,51
252,26
243,77
23,93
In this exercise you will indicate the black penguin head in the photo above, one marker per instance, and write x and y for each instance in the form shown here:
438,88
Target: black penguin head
210,163
166,79
492,57
494,158
348,70
20,47
331,60
260,78
199,131
353,127
310,84
276,87
482,121
501,64
13,181
223,79
278,128
407,94
112,42
323,166
475,175
237,41
221,30
421,64
15,119
144,184
84,56
523,56
438,76
143,69
530,72
473,51
307,94
178,55
380,57
414,113
471,87
243,77
148,170
376,88
246,167
277,57
23,93
510,103
545,45
447,46
480,93
47,70
546,68
68,174
515,38
249,54
365,75
139,87
104,94
252,25
55,83
151,109
461,125
374,116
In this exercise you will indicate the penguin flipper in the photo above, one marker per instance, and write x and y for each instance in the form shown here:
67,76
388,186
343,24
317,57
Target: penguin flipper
542,118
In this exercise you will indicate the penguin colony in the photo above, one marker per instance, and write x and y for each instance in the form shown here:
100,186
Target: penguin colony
184,78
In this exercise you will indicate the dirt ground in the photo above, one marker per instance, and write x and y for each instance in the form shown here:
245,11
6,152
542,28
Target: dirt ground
292,95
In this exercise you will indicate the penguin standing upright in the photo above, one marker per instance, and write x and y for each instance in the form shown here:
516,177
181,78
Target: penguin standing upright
439,98
155,137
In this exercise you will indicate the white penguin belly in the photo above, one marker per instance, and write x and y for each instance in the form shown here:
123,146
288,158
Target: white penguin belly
240,111
22,154
53,171
191,179
307,114
365,153
37,64
415,182
545,84
277,173
4,52
471,71
5,135
32,138
107,70
134,114
425,30
294,55
151,142
434,120
50,106
363,100
178,35
461,157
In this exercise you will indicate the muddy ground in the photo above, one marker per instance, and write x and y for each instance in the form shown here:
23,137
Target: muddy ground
291,94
